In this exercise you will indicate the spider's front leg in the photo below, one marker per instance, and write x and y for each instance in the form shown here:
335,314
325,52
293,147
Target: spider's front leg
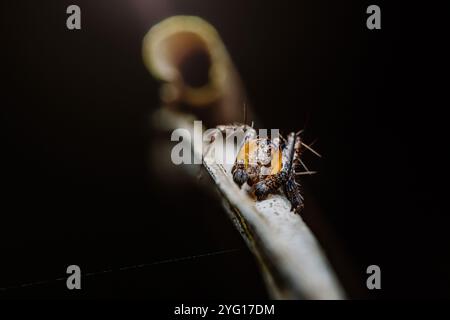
294,193
240,175
292,188
243,172
269,185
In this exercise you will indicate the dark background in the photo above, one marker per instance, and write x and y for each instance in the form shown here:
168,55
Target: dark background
76,180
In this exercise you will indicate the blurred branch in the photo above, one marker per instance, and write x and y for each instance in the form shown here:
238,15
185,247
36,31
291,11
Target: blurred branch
293,264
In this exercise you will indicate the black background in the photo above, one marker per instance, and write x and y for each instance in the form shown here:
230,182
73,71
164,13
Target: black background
76,179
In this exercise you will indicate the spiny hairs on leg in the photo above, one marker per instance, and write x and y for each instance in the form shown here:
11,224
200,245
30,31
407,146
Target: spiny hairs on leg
294,193
292,188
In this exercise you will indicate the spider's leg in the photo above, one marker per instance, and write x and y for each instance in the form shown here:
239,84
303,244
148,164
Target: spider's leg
292,188
239,173
269,185
253,172
294,194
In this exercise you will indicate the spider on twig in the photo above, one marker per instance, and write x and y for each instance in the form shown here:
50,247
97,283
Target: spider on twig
268,164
